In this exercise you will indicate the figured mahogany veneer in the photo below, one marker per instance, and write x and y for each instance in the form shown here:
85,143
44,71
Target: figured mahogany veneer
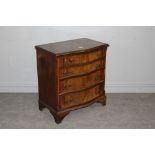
81,97
70,84
71,75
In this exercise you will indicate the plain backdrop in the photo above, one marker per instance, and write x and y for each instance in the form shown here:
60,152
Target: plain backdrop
130,57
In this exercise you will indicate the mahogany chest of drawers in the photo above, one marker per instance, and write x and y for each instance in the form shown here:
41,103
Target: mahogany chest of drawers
71,75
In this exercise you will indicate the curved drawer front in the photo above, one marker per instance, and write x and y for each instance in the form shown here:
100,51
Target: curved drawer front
79,98
78,83
79,70
72,60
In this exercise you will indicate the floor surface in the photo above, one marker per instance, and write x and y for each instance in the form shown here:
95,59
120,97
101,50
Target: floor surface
123,111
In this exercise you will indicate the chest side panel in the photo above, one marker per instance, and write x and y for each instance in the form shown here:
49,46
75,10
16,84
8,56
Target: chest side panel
47,81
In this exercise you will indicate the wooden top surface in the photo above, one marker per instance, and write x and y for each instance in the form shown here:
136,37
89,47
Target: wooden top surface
71,46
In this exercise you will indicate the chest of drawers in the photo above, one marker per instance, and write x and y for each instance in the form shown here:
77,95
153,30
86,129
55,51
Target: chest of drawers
71,75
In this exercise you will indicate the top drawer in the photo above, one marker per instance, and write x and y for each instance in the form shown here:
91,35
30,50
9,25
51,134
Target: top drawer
82,58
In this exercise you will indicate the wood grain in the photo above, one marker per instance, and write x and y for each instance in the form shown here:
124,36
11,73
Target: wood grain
70,80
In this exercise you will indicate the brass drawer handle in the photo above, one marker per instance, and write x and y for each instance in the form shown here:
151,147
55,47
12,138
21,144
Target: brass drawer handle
68,61
69,101
98,66
66,85
97,78
97,91
67,73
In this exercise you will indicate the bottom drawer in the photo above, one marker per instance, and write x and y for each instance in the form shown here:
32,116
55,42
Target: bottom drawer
79,98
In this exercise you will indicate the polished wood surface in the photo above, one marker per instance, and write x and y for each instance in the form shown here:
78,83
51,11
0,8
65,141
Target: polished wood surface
68,72
81,97
70,78
72,46
70,84
80,59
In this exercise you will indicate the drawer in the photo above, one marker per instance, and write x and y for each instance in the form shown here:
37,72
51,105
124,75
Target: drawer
79,70
79,59
77,83
79,98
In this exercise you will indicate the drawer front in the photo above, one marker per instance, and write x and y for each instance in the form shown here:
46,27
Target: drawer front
79,98
76,59
79,70
78,83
